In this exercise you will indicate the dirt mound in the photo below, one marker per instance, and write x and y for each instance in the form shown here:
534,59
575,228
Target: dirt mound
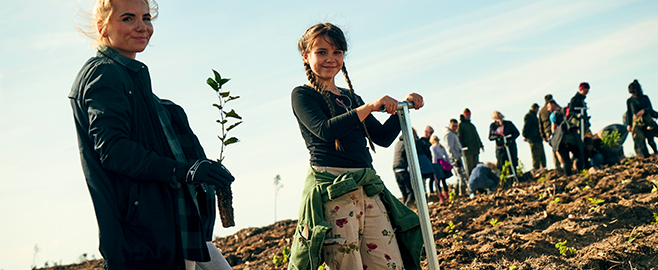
605,217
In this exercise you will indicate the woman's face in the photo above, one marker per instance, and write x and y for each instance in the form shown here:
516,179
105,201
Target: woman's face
325,60
129,28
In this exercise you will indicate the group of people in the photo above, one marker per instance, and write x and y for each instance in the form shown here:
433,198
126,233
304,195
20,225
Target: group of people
567,130
153,187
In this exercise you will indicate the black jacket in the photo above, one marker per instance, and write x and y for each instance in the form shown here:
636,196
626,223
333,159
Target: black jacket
508,129
127,163
531,127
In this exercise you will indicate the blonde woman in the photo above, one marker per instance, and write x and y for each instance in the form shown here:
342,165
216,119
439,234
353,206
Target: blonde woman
502,128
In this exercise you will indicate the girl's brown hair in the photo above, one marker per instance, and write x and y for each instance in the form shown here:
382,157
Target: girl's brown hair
334,36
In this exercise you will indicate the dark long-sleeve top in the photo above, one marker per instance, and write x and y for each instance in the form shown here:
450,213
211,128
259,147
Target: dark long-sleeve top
508,129
636,104
577,101
320,130
468,136
531,127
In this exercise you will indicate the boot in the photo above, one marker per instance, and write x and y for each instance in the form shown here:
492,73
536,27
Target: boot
440,197
446,195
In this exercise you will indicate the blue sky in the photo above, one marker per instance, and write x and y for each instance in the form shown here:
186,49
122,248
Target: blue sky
484,55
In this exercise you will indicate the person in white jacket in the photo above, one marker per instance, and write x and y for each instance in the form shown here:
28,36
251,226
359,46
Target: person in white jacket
455,153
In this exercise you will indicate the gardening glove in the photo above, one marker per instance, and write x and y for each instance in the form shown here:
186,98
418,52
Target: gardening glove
205,171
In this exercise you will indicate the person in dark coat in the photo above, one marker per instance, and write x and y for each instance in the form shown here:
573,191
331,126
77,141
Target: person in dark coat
498,130
469,138
639,119
565,139
137,185
531,135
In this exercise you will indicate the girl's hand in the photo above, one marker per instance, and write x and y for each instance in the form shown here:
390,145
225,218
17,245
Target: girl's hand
390,103
416,99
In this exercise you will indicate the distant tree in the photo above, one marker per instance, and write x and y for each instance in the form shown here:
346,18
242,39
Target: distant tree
277,186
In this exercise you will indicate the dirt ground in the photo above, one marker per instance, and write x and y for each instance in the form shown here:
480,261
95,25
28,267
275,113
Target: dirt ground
605,216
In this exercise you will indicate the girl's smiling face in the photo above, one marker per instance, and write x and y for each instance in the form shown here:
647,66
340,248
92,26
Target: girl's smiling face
325,59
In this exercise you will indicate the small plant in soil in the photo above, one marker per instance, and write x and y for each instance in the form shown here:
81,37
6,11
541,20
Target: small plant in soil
563,249
557,200
513,267
655,186
631,237
322,267
452,230
586,188
451,196
596,203
625,180
494,222
655,218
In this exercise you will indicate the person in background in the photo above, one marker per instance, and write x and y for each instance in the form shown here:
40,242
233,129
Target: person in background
578,101
482,177
424,158
439,156
639,119
565,139
401,170
141,189
531,135
469,138
545,128
499,129
455,153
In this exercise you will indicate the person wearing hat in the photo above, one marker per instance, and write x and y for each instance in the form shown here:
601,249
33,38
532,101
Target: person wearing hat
531,135
469,138
502,128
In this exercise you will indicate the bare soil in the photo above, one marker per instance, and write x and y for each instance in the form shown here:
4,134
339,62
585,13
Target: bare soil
614,234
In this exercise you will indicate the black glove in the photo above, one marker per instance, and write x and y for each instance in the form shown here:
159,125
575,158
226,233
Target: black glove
206,171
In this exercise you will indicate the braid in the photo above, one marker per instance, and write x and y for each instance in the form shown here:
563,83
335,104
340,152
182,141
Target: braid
325,94
356,101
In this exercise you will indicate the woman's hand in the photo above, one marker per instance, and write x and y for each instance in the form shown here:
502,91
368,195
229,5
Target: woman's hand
640,113
416,99
629,128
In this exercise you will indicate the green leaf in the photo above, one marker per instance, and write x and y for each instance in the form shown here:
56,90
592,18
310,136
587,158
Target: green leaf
212,84
223,81
224,94
218,78
233,114
218,106
234,125
232,98
222,121
221,138
231,140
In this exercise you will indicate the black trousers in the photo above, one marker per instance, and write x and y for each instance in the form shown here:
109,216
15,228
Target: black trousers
574,149
404,182
501,156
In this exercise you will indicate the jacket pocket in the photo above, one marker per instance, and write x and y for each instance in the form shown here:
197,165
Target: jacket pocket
299,251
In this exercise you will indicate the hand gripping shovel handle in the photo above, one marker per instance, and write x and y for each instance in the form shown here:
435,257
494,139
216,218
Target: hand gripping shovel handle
401,104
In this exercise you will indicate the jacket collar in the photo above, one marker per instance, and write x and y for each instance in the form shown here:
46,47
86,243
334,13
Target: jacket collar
127,62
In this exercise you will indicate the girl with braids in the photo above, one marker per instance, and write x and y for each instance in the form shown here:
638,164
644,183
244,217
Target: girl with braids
348,219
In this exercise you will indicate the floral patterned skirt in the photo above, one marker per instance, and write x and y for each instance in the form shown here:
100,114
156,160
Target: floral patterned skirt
361,236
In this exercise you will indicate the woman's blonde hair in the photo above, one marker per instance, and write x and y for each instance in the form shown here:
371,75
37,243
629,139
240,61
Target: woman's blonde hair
435,140
496,115
100,15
